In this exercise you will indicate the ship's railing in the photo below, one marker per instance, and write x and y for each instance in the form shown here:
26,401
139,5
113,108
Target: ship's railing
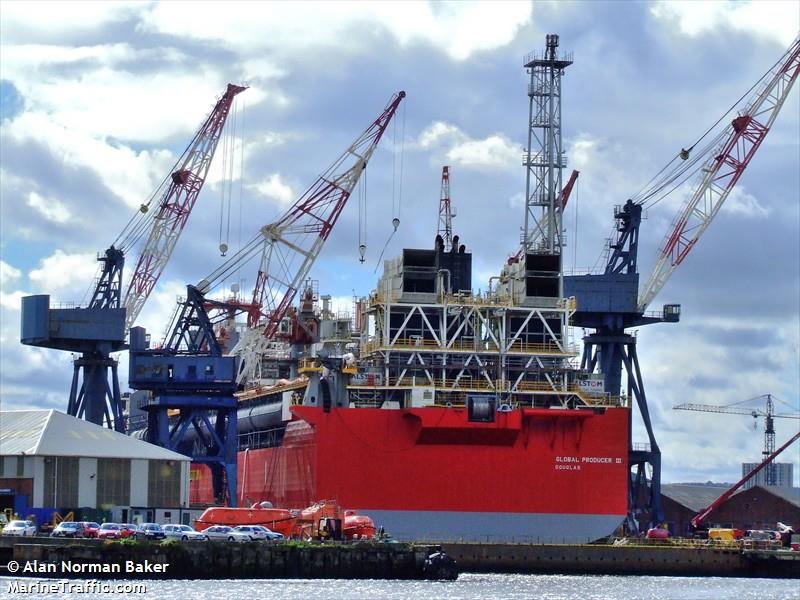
543,348
259,391
518,347
262,438
467,384
438,383
465,299
308,365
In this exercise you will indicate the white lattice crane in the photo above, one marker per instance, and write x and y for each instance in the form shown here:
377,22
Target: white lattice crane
725,159
288,247
768,412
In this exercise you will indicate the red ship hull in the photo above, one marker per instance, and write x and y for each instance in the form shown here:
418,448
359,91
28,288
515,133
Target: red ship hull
430,474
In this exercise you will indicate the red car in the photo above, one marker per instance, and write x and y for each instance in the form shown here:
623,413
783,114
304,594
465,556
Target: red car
90,529
129,530
109,531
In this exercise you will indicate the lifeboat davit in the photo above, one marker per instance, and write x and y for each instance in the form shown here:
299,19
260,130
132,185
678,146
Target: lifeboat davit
279,520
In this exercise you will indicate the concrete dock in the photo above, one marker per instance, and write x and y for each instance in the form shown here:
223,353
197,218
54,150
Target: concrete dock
630,559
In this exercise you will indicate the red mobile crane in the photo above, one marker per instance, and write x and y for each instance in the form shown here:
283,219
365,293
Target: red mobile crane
699,518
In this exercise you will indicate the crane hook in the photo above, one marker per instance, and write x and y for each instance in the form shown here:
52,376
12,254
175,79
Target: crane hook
684,153
361,250
396,223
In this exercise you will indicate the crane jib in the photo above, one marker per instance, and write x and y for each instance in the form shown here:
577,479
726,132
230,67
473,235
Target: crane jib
722,171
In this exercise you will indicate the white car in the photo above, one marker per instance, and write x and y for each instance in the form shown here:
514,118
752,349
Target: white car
254,532
272,536
223,532
184,533
20,528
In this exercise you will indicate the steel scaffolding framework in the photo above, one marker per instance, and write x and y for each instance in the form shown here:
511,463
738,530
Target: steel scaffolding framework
458,345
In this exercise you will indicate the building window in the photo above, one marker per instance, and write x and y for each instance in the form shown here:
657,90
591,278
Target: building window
20,466
113,482
164,483
61,482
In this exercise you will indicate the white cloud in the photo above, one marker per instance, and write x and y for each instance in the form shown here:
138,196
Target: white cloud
50,208
583,151
493,152
9,274
109,102
458,28
741,203
274,188
56,17
131,175
776,19
12,301
60,271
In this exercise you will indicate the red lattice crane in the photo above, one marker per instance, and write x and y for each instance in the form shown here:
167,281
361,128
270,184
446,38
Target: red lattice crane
698,520
725,165
179,193
289,246
445,228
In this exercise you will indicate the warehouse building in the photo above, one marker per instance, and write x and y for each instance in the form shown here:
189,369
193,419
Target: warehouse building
53,462
760,507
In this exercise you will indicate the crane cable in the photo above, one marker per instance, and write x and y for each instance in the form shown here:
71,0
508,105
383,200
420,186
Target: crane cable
649,191
396,203
241,187
139,222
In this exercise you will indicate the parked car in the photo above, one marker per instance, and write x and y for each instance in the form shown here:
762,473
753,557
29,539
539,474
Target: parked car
90,529
184,533
223,532
128,529
251,532
21,528
109,531
272,536
69,529
150,531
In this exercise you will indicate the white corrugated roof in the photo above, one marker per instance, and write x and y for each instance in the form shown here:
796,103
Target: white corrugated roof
53,433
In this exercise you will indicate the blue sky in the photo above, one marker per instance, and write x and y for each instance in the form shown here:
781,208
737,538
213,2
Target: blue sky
99,98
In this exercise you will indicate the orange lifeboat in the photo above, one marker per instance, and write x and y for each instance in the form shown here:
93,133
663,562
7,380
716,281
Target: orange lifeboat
358,527
279,520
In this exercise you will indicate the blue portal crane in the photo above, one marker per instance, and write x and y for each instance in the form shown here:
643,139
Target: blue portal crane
97,330
610,303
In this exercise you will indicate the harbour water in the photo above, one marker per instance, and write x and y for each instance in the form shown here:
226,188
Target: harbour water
468,586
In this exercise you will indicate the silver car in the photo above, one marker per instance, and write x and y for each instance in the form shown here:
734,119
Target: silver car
269,535
223,532
252,531
21,528
184,533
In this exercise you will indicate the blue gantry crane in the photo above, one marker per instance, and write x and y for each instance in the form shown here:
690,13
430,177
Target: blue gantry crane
100,328
610,303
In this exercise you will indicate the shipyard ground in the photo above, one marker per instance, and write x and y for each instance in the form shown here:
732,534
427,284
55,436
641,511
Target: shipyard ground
367,560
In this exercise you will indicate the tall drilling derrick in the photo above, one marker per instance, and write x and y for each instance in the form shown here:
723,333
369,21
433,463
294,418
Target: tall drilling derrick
445,229
544,158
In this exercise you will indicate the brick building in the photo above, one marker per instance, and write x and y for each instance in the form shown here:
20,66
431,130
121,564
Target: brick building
759,507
